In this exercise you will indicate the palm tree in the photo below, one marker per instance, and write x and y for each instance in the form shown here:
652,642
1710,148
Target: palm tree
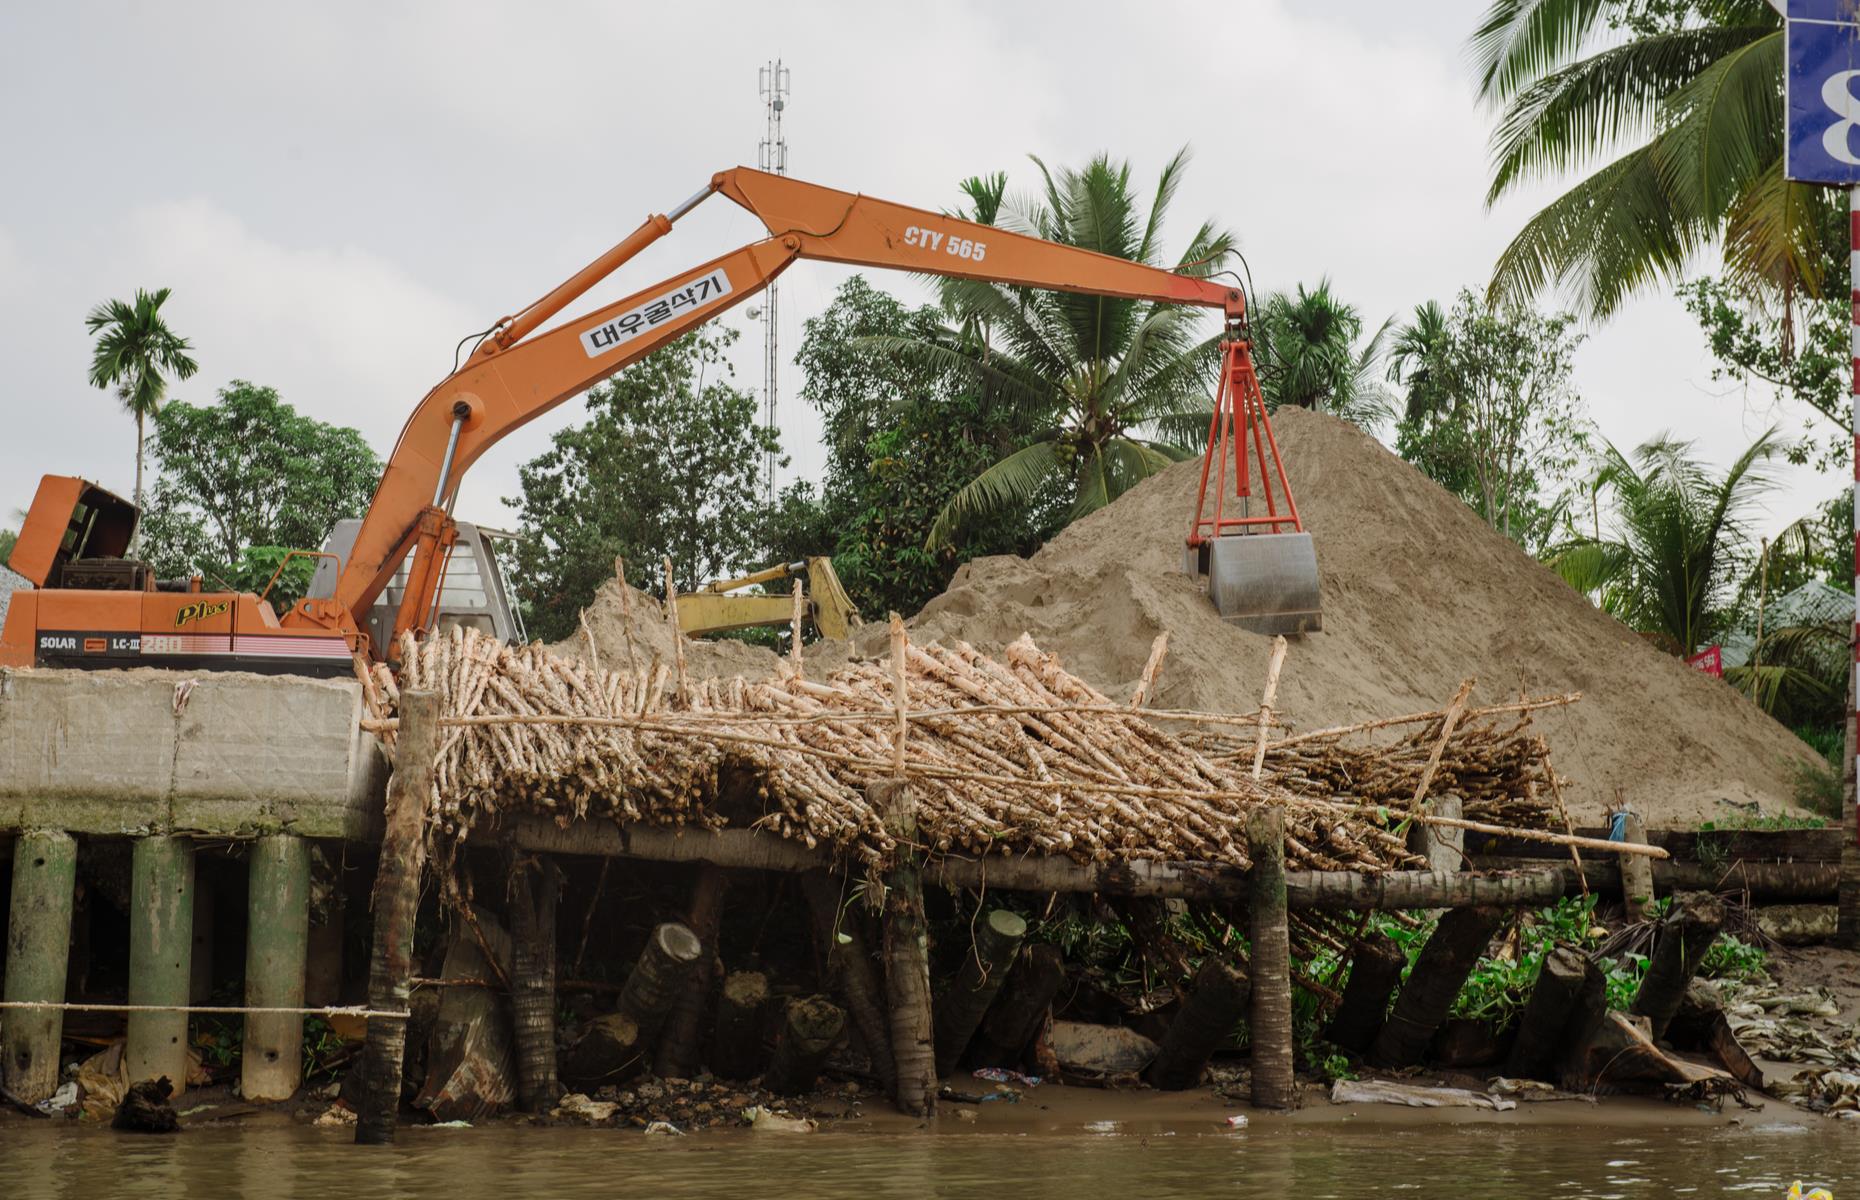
1412,357
1309,357
1680,123
1089,377
134,352
1671,564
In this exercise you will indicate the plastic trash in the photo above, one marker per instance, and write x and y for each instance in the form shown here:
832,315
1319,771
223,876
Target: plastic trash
1003,1075
664,1129
63,1098
1237,1121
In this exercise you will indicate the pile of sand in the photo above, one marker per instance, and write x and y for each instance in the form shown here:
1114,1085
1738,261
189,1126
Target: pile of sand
1418,594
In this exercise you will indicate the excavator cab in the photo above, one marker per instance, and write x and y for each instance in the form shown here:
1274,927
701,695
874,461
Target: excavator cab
1261,566
75,536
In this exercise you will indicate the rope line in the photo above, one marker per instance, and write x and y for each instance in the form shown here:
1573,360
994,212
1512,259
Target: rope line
352,1010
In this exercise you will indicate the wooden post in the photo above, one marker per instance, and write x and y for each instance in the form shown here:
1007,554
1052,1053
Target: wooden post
984,969
276,942
200,962
1847,929
1690,928
1434,983
1216,1003
1021,1008
534,890
677,1056
323,954
1441,845
37,945
1636,872
738,1050
658,978
1554,1001
849,970
907,955
1274,1085
396,902
161,943
809,1028
1375,973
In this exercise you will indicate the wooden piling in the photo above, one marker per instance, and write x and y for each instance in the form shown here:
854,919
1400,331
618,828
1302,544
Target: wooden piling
1636,872
907,955
678,1050
984,968
161,944
849,972
1215,1005
1543,1027
37,945
809,1028
1690,928
1375,973
276,944
1448,958
1441,845
737,1052
534,890
1847,919
658,978
1022,1007
396,902
1274,1085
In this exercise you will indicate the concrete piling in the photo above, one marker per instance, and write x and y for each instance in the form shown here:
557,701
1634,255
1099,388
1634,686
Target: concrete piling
277,940
161,944
37,944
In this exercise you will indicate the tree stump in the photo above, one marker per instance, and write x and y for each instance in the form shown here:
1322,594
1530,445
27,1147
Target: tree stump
809,1029
1555,999
1216,1003
1636,871
849,972
1448,958
737,1050
984,969
658,978
679,1046
607,1050
1690,928
1022,1006
1375,973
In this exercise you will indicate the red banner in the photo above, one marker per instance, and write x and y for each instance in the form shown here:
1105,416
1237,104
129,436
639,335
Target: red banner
1709,660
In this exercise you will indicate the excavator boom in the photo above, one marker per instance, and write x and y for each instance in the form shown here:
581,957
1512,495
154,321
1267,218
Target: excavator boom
516,373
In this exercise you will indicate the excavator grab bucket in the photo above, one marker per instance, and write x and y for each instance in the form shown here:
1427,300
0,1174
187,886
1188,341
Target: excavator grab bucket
1261,566
1266,582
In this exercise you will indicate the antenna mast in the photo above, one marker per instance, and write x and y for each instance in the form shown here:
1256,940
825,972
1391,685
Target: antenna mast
772,156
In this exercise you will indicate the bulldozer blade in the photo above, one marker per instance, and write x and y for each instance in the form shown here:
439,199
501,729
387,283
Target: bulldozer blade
1265,582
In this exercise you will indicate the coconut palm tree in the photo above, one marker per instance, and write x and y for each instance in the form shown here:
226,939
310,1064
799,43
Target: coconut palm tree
1412,355
1671,562
1306,343
1675,111
135,353
1089,377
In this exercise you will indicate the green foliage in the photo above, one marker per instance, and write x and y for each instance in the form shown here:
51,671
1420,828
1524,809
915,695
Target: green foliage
1675,547
7,539
134,355
1676,110
242,480
1804,352
1491,413
903,434
1307,347
1765,822
1108,390
1730,957
324,1051
667,464
1818,789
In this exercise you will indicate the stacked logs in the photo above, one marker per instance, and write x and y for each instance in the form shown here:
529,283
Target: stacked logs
1014,756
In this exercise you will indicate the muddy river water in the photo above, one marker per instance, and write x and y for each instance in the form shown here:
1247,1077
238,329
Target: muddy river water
1108,1162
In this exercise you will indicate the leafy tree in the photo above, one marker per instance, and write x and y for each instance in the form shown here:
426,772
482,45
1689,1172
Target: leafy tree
1091,376
1805,355
1309,357
666,465
904,432
135,353
1675,547
1674,107
7,538
1498,422
242,481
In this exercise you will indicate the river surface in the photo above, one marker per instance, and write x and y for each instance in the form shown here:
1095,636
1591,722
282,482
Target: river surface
1444,1160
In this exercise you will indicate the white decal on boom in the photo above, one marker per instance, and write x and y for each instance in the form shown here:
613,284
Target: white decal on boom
635,321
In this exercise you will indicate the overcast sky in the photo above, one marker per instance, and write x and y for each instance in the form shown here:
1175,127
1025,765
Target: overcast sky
338,192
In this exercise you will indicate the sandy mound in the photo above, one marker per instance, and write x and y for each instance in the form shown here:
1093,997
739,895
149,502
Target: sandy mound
1418,594
705,658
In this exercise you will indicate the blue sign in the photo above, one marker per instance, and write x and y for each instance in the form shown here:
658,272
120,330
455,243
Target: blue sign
1822,141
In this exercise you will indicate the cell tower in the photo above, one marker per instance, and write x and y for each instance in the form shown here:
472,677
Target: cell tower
772,156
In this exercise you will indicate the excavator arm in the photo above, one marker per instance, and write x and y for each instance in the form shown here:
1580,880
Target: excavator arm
516,374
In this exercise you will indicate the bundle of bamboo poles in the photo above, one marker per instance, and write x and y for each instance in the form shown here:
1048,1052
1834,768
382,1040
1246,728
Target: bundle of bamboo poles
1011,756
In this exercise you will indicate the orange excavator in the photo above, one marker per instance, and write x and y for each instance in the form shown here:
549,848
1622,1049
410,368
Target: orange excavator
91,607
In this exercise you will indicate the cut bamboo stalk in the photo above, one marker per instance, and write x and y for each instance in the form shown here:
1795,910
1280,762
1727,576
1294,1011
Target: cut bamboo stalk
1447,722
1265,705
1159,649
678,635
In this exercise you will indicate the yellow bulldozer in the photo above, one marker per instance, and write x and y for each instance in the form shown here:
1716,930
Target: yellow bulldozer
718,608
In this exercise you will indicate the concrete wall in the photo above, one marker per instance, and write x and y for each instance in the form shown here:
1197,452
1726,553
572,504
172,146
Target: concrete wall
125,752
